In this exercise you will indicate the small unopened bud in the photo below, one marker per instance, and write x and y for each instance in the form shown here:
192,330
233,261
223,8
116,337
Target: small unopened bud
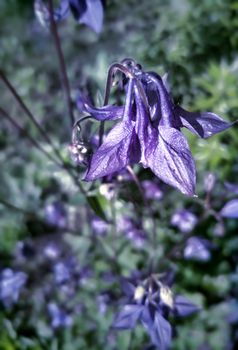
209,182
107,190
139,293
166,296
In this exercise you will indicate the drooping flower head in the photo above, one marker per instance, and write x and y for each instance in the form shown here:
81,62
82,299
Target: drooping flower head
149,129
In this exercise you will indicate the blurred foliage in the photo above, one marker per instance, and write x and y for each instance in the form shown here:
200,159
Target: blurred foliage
196,43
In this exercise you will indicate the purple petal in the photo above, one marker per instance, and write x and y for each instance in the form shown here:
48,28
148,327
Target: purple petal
230,210
143,128
128,316
165,102
114,154
103,113
183,307
170,159
203,124
232,187
93,16
161,333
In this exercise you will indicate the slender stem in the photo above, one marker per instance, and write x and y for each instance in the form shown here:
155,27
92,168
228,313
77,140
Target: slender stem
29,113
39,128
27,135
62,65
13,207
40,148
105,102
137,182
114,67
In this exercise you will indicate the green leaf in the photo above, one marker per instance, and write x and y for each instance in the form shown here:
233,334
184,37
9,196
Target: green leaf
96,205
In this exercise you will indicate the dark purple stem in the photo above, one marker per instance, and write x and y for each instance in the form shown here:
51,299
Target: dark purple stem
63,71
29,113
25,133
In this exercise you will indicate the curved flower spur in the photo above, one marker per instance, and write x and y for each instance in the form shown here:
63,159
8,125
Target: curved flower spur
149,129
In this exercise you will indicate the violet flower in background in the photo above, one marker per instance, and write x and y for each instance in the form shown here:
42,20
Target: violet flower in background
99,226
55,214
152,302
149,131
184,220
59,317
132,231
197,249
11,284
88,12
152,190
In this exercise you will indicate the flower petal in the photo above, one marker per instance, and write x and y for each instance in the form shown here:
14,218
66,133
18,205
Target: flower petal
184,307
169,157
203,124
230,209
161,332
114,153
92,16
103,113
128,316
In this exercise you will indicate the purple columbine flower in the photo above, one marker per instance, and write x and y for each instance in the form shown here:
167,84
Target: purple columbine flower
152,302
149,130
88,12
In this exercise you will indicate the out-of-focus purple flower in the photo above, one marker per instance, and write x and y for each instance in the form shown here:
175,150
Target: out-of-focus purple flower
152,190
197,249
85,274
102,302
137,236
219,230
55,215
51,251
62,272
99,226
59,317
151,302
184,220
88,12
230,209
125,223
11,283
149,131
132,231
